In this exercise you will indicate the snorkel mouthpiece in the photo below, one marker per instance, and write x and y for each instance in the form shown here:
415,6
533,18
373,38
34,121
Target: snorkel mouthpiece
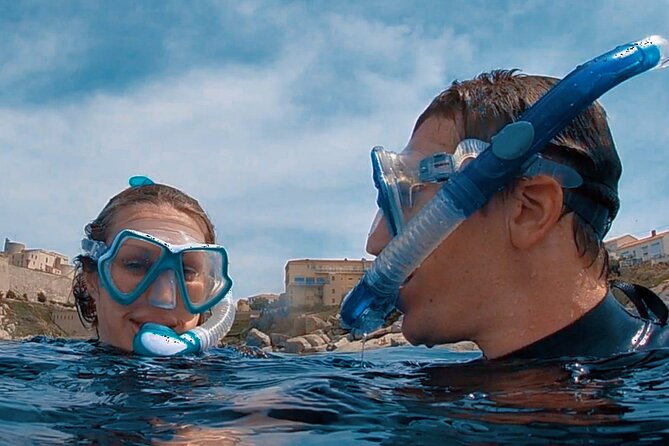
159,340
367,306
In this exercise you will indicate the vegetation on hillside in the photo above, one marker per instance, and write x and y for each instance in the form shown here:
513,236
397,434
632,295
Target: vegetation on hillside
30,319
646,274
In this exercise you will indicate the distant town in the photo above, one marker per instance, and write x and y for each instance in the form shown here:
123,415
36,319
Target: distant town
42,275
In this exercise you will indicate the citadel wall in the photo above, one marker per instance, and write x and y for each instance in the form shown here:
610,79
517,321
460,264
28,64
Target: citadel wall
56,288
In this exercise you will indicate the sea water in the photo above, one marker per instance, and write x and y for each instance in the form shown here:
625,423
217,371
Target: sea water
78,392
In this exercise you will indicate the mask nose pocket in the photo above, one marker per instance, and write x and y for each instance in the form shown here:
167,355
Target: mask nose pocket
164,291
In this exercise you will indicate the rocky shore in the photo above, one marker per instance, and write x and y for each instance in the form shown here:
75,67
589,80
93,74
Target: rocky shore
289,332
311,334
20,319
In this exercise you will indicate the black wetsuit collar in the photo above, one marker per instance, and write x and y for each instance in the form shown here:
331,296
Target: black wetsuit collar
606,330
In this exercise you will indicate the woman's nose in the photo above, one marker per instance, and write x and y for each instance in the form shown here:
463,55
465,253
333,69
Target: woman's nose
378,236
163,292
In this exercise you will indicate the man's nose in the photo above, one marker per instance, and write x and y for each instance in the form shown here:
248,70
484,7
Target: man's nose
379,235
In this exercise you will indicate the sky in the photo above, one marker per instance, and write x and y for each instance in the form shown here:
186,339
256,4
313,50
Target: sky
266,111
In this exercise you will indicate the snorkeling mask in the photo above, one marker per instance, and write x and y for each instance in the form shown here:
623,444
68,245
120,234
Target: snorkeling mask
470,186
136,261
398,176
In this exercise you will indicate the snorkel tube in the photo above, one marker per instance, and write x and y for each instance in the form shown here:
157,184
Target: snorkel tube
159,340
367,305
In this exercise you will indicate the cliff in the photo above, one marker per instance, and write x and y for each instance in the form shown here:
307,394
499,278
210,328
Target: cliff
20,319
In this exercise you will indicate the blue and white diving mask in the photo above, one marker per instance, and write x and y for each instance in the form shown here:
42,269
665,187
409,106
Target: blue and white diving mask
136,262
397,176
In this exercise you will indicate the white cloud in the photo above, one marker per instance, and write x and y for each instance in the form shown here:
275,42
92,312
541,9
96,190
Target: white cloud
38,49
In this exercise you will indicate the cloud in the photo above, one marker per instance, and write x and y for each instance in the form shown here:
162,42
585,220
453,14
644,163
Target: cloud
279,181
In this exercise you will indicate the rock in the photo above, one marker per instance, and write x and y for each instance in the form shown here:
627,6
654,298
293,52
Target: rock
397,326
315,340
313,323
323,336
299,326
319,349
373,335
334,321
379,333
464,346
662,290
341,343
279,339
336,332
4,335
389,340
256,338
297,345
252,352
397,341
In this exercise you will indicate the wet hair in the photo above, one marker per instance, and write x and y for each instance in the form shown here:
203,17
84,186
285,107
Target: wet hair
492,100
98,229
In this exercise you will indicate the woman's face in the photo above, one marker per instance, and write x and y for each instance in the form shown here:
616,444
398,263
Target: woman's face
118,324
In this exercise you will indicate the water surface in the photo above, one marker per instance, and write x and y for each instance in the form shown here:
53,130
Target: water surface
76,392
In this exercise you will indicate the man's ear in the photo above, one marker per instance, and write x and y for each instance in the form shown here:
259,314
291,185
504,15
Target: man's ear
535,208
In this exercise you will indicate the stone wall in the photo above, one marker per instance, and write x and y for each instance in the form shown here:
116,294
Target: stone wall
4,274
30,282
68,320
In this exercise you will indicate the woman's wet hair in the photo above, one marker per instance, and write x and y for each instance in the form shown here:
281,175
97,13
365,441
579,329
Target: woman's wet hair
98,229
491,100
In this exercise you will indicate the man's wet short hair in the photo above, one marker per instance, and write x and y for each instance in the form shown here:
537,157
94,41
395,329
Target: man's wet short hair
491,100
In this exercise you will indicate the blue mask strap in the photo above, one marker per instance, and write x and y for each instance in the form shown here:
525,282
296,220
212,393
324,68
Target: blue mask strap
565,175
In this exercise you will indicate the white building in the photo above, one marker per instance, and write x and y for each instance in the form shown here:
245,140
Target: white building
630,250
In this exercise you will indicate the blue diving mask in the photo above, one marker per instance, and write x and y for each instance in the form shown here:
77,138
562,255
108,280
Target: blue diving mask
136,262
398,176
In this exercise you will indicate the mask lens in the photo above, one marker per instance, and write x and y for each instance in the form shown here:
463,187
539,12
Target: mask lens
393,180
134,259
204,278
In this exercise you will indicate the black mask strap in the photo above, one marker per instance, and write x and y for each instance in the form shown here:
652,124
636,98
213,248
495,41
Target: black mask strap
644,300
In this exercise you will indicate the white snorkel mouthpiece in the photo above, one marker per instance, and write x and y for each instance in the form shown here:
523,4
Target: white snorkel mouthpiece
159,340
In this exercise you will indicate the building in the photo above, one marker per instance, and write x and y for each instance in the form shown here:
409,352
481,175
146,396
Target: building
630,250
35,272
311,282
36,259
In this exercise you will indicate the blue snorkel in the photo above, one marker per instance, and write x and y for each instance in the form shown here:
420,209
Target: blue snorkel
366,307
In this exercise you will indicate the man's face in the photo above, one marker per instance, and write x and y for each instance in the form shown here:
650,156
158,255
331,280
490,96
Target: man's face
442,298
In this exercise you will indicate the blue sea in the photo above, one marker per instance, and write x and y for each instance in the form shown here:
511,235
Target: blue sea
77,392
